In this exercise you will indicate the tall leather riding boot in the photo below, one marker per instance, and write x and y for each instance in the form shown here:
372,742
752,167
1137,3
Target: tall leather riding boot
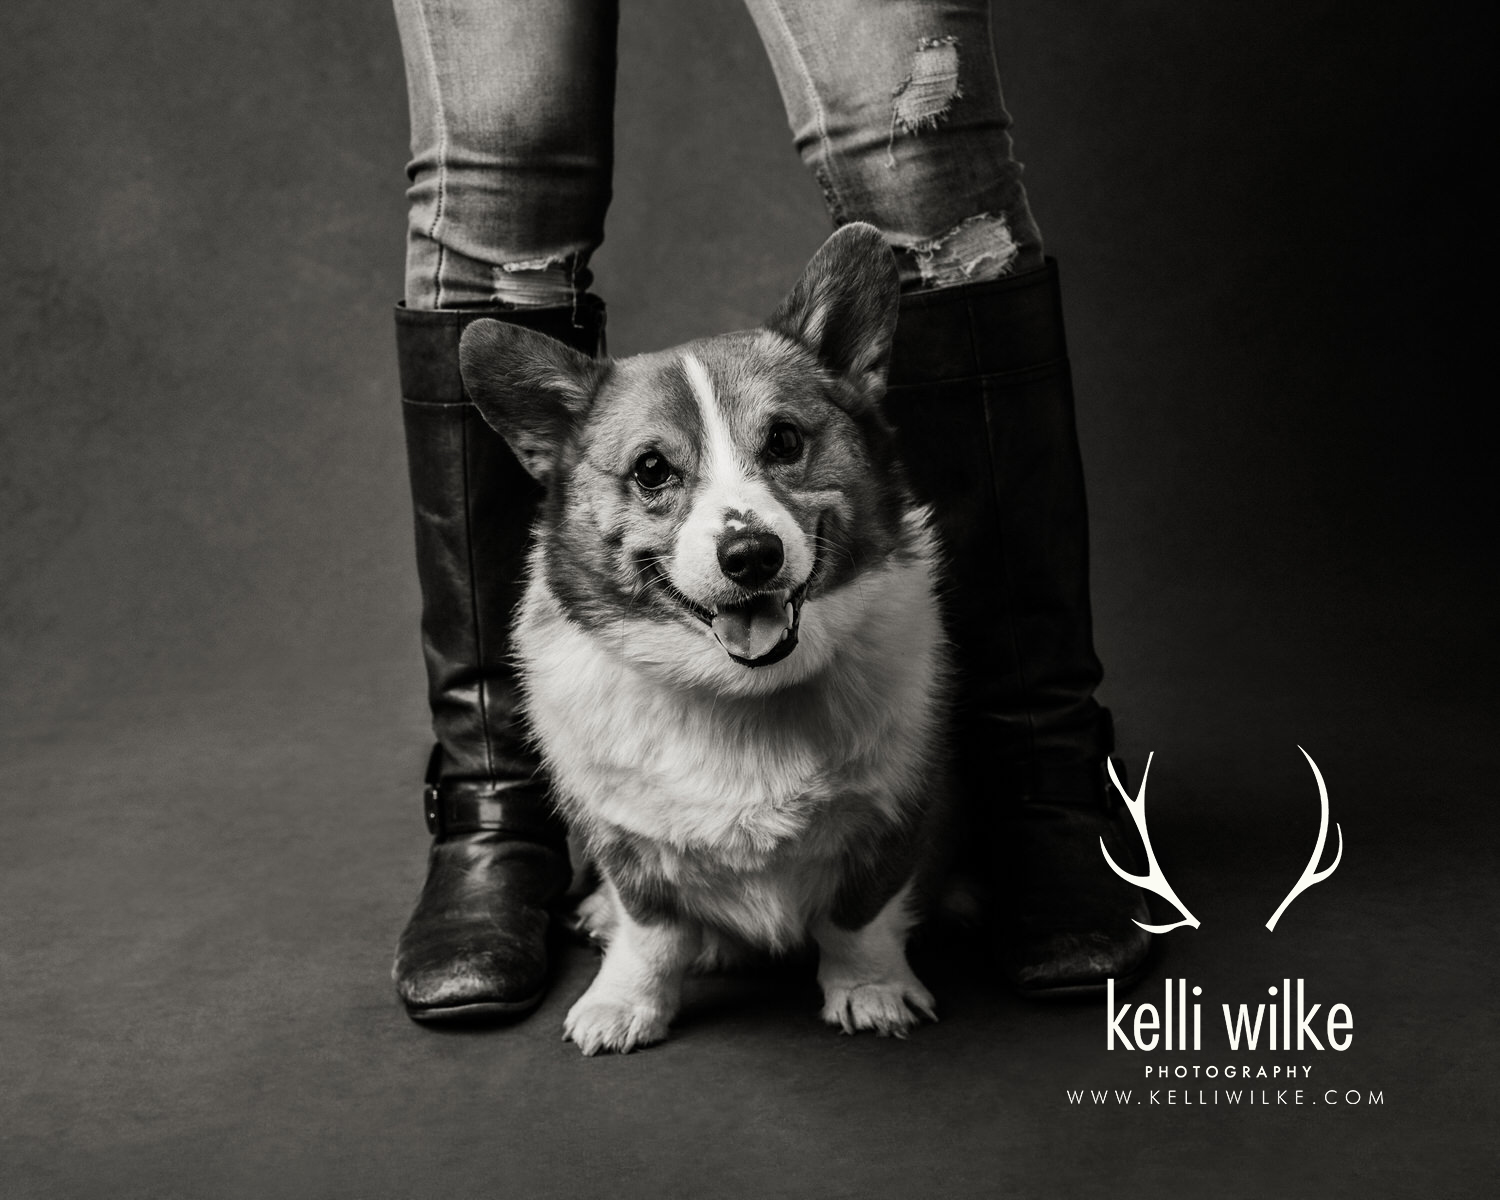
981,392
476,945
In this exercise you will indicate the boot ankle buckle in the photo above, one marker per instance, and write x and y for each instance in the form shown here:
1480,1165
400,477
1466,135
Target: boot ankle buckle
432,795
516,808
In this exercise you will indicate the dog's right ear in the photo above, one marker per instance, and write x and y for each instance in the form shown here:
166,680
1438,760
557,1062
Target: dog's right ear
530,388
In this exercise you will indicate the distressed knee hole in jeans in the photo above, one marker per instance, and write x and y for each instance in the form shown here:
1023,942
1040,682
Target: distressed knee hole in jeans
925,96
974,250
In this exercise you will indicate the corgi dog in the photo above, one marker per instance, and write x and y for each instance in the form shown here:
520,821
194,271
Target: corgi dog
730,646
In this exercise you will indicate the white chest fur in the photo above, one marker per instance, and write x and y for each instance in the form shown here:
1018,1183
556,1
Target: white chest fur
743,795
641,740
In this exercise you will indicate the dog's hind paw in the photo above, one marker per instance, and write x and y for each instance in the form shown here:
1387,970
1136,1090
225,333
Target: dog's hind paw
607,1026
718,954
890,1009
595,916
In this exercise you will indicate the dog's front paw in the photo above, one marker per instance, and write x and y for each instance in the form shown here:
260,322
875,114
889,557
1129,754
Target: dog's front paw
889,1008
605,1025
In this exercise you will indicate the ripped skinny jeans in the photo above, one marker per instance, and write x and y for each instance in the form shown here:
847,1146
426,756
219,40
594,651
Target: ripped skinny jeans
894,105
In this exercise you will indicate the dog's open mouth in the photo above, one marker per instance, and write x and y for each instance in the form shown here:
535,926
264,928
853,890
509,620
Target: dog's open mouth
755,632
762,630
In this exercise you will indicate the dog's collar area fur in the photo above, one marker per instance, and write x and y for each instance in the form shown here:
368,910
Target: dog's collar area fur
789,600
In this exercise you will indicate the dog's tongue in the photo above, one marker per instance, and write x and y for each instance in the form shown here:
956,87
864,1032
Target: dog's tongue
751,630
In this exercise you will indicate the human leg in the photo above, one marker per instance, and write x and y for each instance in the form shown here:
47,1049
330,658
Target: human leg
897,110
511,107
512,139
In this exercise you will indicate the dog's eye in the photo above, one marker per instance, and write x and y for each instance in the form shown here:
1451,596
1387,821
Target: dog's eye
652,471
784,441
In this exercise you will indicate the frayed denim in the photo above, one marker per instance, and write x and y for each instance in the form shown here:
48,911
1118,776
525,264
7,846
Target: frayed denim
895,107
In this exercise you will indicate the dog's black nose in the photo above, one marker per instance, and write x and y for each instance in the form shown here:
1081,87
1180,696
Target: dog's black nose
750,558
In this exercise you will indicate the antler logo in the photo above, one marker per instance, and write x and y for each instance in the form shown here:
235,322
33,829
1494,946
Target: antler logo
1155,881
1310,873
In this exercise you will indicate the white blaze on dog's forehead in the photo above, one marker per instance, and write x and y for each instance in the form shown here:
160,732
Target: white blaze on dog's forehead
722,459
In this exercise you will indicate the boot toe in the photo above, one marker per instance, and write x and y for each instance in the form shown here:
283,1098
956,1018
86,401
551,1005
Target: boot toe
453,977
1073,924
476,944
1078,963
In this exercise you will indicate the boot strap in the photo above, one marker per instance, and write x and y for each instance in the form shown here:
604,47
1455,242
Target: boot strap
517,808
1082,783
513,809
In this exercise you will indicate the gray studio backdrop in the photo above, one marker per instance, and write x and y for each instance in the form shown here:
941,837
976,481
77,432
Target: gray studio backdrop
202,475
211,701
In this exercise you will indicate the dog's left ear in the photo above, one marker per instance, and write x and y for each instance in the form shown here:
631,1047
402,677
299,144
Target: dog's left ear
531,389
844,307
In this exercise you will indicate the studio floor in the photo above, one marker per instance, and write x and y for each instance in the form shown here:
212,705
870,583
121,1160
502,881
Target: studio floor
201,891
